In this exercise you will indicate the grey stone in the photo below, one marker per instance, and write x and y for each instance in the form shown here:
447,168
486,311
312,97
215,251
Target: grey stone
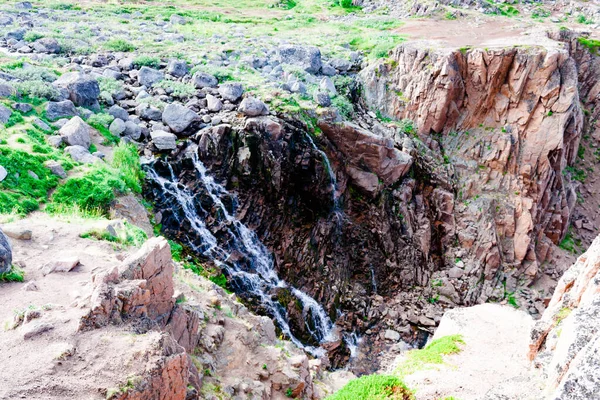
56,168
231,91
6,20
298,87
6,89
340,64
177,19
34,330
16,34
83,90
177,68
148,112
178,117
202,80
38,123
132,130
118,112
23,5
55,141
76,133
60,109
50,45
23,107
164,140
149,76
326,85
117,126
81,154
306,57
5,114
253,107
18,233
328,70
392,335
214,104
5,254
322,99
111,73
3,173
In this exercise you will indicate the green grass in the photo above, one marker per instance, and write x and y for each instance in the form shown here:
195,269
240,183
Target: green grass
131,235
101,122
374,387
119,45
432,354
16,274
146,61
99,185
591,44
569,243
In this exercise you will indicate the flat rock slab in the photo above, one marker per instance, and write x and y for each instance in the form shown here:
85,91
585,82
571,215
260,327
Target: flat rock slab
63,265
32,330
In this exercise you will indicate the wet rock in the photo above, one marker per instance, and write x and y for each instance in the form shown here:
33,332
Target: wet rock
231,91
178,117
253,107
5,254
164,140
83,90
149,76
76,133
306,57
203,80
60,109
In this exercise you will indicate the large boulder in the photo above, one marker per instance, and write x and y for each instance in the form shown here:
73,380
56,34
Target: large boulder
231,91
177,68
60,109
306,57
5,254
178,117
76,133
149,76
164,140
253,107
5,114
202,80
83,90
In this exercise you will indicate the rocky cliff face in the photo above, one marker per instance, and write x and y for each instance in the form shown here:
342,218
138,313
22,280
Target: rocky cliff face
509,121
565,342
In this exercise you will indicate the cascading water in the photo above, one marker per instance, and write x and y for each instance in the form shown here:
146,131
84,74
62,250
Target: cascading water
332,177
253,272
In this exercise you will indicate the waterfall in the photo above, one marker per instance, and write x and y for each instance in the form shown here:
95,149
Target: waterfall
253,273
332,177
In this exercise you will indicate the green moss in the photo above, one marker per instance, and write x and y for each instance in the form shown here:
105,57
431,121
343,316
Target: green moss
417,360
15,275
374,387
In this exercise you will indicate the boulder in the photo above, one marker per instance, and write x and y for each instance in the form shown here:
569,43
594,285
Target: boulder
322,98
253,107
76,133
5,254
214,104
164,140
49,45
306,57
5,114
177,68
83,89
148,112
38,123
149,76
231,91
118,112
132,130
203,80
3,173
56,168
81,154
6,89
60,109
117,127
178,117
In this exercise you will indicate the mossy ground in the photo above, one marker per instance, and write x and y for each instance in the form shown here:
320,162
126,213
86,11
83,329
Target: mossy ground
374,387
429,356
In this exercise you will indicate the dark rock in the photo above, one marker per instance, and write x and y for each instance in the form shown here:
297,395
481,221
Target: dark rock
202,80
177,68
5,254
83,90
149,77
178,117
231,91
306,57
60,109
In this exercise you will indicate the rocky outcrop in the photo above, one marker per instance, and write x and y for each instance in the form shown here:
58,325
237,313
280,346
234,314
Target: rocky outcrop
565,342
5,254
508,122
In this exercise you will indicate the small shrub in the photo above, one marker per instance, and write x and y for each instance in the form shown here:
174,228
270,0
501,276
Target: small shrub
450,16
35,73
15,275
131,235
374,387
36,90
146,61
591,44
346,3
176,250
127,161
219,280
177,89
32,36
109,85
582,19
119,45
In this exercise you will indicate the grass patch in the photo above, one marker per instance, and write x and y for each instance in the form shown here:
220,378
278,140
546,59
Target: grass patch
591,44
146,61
569,243
130,235
16,274
374,387
119,45
432,354
101,122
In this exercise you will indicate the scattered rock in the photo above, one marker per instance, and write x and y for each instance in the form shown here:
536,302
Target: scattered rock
392,335
3,173
83,90
202,80
149,76
5,254
177,68
118,112
65,264
178,117
17,233
56,168
32,330
76,133
117,127
214,104
60,109
253,107
231,91
81,154
305,57
322,99
5,114
30,286
38,123
164,140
